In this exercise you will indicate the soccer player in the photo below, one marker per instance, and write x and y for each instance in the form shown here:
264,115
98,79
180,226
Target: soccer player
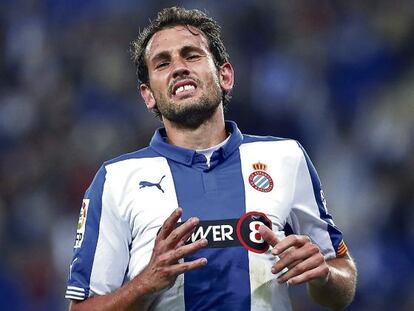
204,218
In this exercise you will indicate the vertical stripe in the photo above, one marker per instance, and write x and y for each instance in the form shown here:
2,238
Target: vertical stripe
223,284
334,233
266,292
133,211
83,257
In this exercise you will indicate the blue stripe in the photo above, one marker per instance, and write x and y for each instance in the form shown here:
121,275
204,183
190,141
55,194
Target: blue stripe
266,184
186,156
256,179
288,229
334,233
252,138
82,268
224,283
263,181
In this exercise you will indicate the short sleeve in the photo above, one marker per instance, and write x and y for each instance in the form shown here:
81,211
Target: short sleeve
101,249
309,215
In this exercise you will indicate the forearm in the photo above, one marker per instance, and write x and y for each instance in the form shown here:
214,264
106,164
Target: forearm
132,296
338,292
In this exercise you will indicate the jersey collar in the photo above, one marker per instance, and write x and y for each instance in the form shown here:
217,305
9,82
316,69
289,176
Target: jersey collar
186,156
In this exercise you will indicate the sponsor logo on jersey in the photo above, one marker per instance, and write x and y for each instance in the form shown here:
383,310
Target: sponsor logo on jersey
80,232
144,183
233,232
259,179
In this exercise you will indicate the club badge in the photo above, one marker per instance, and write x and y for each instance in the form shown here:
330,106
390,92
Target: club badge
259,179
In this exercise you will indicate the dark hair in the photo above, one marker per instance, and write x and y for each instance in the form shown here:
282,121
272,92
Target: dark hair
174,16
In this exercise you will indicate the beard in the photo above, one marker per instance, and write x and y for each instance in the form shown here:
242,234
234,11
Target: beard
190,113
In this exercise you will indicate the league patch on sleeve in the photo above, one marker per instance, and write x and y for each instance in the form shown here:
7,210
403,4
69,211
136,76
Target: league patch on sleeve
323,200
80,231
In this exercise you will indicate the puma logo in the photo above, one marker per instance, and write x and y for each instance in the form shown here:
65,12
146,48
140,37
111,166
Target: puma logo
143,184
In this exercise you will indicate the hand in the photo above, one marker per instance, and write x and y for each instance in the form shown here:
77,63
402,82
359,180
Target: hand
163,267
303,259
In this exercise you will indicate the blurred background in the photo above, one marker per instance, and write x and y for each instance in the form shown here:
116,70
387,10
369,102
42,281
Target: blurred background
336,75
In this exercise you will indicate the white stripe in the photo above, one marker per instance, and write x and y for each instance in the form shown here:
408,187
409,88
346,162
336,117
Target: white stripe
130,219
266,292
71,292
73,297
307,212
173,298
79,289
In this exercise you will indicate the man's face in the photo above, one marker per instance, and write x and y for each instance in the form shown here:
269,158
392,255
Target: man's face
184,82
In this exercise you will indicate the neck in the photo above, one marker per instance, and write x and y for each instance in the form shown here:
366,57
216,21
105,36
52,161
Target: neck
208,134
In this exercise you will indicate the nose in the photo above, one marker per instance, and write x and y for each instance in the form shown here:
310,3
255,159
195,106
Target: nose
180,68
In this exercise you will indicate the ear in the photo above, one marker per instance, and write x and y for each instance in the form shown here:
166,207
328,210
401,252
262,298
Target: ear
226,75
147,95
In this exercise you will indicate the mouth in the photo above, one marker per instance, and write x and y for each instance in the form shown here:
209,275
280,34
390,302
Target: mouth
184,88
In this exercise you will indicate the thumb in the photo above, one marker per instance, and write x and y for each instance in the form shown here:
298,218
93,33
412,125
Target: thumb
268,235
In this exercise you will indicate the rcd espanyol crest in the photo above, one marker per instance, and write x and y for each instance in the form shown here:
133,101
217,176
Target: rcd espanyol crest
259,179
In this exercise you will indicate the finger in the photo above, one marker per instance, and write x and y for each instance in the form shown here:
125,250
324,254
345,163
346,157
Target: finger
291,240
169,224
268,235
302,267
283,261
321,272
280,269
185,238
180,232
295,255
180,268
187,250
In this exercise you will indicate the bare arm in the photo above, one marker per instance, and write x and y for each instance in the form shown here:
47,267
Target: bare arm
331,283
131,296
339,290
161,272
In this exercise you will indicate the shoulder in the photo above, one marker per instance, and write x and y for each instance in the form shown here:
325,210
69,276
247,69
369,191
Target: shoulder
139,158
120,167
272,143
119,176
145,153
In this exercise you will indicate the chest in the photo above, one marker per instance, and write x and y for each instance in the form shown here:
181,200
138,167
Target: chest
240,185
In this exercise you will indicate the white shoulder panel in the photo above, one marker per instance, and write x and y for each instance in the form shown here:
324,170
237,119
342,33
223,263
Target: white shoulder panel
269,170
139,194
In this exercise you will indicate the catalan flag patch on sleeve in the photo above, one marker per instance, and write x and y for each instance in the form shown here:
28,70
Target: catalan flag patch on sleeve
342,249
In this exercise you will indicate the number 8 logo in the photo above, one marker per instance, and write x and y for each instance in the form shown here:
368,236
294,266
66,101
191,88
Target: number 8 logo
254,232
248,231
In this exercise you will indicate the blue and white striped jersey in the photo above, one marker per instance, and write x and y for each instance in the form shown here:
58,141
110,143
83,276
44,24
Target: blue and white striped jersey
250,179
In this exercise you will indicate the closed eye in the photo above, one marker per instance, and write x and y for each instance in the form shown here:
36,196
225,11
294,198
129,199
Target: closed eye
162,65
193,57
